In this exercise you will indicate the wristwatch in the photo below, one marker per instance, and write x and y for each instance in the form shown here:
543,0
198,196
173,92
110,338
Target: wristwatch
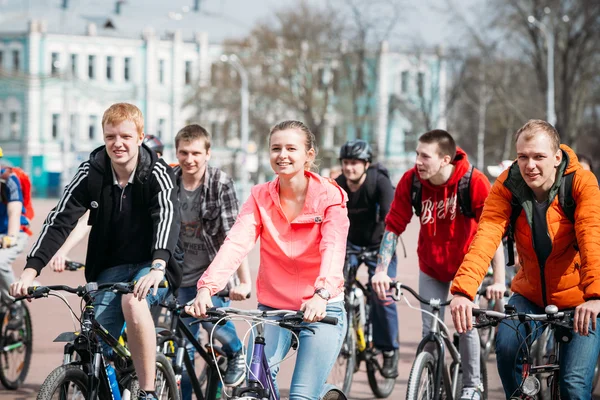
323,293
159,267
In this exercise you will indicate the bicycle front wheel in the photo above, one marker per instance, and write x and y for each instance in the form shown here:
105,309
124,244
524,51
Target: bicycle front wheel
344,366
15,346
381,386
421,381
65,382
166,387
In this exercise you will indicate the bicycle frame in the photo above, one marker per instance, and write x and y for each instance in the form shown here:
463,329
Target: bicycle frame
259,377
441,339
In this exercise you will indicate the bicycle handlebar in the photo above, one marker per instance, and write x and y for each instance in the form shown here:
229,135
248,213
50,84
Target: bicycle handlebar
287,315
483,292
397,286
36,292
490,317
73,265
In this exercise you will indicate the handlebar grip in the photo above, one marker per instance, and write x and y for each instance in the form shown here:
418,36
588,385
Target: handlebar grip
483,291
329,320
225,293
73,265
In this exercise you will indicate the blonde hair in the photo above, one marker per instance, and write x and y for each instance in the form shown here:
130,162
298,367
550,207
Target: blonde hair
192,132
534,126
120,112
310,142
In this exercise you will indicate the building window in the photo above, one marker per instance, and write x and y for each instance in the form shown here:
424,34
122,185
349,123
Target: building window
15,125
2,133
91,66
73,129
404,82
74,64
55,125
109,68
54,64
127,69
410,141
1,59
421,83
161,71
16,60
188,72
160,129
339,137
92,127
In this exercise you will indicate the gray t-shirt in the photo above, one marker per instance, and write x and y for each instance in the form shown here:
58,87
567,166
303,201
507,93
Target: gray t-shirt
195,260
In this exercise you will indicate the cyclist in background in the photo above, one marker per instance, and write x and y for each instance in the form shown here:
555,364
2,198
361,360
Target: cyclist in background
209,207
154,143
13,227
560,261
370,194
444,237
301,219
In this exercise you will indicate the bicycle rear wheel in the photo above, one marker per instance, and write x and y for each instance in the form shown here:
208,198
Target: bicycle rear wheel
343,369
381,386
421,381
65,382
15,345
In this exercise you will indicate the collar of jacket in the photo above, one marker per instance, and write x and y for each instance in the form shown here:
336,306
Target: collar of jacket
146,158
523,195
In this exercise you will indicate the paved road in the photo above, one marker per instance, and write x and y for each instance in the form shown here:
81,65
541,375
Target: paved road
50,317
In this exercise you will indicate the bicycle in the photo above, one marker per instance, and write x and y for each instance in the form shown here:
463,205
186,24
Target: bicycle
358,343
430,377
85,374
172,343
560,322
16,343
259,381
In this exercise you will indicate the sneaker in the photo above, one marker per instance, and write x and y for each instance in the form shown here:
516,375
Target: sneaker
390,364
470,393
147,395
236,368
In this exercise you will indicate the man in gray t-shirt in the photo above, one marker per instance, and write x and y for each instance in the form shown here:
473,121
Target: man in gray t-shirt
208,208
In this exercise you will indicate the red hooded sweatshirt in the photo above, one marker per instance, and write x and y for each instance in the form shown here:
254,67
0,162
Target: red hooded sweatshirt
445,233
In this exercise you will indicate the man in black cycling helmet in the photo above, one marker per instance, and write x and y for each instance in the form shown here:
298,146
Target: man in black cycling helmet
155,144
370,194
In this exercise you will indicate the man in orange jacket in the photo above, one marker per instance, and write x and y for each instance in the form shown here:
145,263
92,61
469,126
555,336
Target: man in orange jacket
560,261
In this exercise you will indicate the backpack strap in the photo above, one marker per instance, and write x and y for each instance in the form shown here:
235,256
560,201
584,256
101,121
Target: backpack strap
464,194
94,183
565,197
510,235
415,195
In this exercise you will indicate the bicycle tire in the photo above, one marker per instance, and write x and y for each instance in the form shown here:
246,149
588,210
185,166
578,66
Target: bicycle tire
165,384
64,374
19,340
346,360
381,386
423,364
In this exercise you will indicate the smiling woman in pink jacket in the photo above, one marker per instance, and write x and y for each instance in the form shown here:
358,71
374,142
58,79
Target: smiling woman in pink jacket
301,219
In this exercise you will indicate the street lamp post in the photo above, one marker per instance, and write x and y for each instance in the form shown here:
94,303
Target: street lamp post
550,110
239,67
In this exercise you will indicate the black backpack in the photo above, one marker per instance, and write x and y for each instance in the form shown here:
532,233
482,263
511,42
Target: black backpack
565,200
463,194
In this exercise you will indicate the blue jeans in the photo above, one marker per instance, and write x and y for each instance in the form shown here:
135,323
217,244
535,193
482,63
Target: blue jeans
316,352
109,312
225,334
384,314
577,358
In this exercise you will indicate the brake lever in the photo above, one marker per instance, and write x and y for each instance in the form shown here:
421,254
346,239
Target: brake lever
296,327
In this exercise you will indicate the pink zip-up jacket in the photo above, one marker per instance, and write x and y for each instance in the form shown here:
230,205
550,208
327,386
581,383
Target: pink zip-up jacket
295,257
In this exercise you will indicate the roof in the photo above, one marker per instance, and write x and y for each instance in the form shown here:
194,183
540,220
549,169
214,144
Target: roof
136,16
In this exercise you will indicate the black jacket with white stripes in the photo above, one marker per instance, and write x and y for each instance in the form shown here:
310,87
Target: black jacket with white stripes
154,202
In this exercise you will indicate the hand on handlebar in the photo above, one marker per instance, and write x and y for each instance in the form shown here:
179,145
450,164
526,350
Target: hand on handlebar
462,313
381,284
314,309
240,292
201,303
57,262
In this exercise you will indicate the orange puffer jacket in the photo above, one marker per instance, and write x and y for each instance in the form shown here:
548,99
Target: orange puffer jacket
570,276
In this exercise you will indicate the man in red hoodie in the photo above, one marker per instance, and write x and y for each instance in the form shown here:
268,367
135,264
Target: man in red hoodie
444,237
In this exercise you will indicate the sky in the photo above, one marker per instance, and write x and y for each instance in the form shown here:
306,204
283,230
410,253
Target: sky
421,21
